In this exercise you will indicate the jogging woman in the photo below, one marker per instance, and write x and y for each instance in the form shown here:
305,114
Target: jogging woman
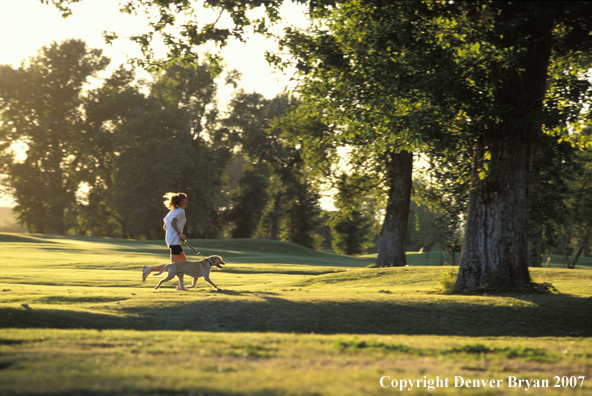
173,226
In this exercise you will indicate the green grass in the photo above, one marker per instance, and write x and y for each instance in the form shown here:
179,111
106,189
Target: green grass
75,318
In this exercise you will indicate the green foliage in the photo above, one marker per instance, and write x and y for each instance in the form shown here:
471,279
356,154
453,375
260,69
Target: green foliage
116,102
250,116
170,144
422,230
284,204
183,35
447,281
353,225
564,202
301,212
441,199
192,89
352,233
42,106
249,200
145,172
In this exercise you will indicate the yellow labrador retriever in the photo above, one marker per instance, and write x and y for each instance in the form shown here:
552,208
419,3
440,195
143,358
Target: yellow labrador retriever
195,269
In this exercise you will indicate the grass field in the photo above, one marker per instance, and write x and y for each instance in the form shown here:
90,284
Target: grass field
75,318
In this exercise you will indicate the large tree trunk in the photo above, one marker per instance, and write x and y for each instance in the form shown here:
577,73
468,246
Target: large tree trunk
391,252
495,246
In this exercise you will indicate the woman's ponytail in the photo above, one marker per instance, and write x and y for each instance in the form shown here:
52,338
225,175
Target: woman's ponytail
173,200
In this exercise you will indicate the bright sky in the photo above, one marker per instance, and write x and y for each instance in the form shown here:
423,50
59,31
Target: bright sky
28,25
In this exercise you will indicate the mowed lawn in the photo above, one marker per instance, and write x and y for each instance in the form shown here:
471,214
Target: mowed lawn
76,318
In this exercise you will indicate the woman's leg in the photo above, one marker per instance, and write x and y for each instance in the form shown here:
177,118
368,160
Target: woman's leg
179,257
146,270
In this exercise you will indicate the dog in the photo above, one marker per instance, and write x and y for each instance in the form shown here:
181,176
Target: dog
195,269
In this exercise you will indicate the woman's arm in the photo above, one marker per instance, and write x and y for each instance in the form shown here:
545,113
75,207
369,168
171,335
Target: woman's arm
174,225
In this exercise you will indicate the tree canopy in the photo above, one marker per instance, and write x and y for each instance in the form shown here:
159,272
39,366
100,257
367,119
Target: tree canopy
41,104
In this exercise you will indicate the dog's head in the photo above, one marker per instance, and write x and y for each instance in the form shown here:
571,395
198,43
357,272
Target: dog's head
216,261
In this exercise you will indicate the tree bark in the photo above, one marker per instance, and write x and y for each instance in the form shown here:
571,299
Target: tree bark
495,246
391,252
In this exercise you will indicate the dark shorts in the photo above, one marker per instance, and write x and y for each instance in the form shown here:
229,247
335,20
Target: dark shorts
176,250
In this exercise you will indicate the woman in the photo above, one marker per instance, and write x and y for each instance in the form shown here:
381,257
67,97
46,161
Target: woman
173,226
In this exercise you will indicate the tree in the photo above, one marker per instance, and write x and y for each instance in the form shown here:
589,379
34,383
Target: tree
250,199
301,211
250,116
107,109
211,147
565,198
154,157
441,189
176,144
351,91
526,37
276,198
353,223
41,104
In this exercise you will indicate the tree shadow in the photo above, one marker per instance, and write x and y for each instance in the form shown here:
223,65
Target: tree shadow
274,271
554,316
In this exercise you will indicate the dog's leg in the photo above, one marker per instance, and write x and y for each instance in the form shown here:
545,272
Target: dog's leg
170,276
181,285
193,284
207,279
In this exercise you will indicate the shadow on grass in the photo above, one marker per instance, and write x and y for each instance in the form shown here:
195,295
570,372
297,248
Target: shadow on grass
556,316
281,271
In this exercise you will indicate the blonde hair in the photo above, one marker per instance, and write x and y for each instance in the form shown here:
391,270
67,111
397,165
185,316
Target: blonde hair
173,200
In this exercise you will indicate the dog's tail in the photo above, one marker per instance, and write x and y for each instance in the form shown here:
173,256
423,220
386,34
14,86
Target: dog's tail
166,267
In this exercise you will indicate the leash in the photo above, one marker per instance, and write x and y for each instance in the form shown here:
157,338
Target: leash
198,253
191,247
